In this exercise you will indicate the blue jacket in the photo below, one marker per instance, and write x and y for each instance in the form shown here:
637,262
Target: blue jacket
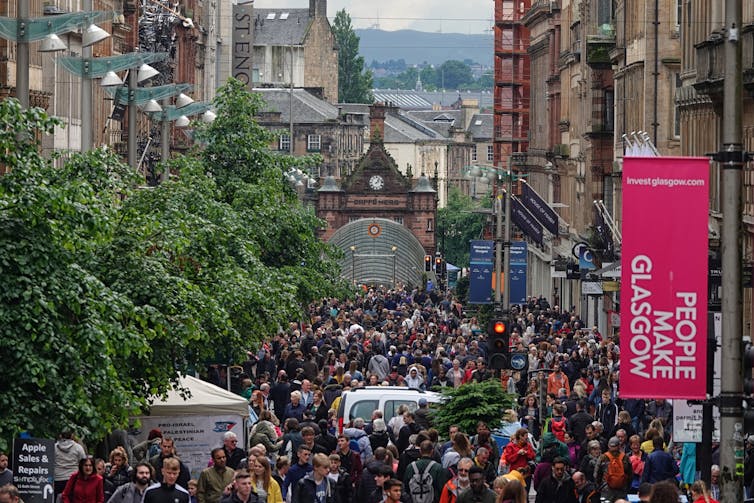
659,466
295,473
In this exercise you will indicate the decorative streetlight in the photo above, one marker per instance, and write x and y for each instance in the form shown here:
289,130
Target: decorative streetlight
149,97
24,29
353,264
490,173
89,68
184,107
394,249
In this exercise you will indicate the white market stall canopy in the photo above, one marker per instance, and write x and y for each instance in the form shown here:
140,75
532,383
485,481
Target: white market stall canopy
206,399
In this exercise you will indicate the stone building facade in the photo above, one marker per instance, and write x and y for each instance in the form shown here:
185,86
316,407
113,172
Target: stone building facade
377,189
295,47
699,107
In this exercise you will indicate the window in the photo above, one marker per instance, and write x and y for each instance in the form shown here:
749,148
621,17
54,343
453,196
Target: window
678,14
490,153
430,225
363,409
605,13
473,153
576,38
313,143
392,406
608,113
398,220
284,143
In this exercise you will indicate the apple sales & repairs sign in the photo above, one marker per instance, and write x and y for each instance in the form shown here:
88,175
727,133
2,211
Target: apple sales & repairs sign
34,469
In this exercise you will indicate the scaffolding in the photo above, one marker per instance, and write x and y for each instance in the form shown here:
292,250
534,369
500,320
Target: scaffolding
512,85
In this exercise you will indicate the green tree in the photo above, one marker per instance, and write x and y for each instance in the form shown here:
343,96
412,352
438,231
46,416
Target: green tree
470,403
457,225
354,80
429,77
112,291
407,79
454,74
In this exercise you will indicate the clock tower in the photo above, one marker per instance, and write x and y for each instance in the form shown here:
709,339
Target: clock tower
377,189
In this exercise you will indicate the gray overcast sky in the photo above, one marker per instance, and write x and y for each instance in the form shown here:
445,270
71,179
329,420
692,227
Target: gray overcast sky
447,16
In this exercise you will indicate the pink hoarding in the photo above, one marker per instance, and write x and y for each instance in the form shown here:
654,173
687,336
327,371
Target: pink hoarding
664,277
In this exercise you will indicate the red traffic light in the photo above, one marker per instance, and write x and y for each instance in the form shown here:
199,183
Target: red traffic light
498,327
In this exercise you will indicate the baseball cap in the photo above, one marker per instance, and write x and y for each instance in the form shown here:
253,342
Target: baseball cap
422,402
613,442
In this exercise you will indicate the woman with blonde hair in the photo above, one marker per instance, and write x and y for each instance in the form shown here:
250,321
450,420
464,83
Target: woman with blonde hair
511,492
700,493
498,485
265,487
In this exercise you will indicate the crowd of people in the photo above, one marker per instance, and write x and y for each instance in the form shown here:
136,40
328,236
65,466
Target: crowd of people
572,439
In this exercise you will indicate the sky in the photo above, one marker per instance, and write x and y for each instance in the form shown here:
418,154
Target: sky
443,16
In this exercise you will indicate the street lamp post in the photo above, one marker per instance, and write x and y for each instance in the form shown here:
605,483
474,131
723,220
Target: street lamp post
393,249
353,264
22,58
23,30
502,234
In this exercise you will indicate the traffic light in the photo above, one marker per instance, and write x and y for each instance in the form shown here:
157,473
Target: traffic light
438,265
497,344
428,263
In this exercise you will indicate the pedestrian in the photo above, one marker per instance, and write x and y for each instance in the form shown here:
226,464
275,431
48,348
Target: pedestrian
68,454
614,472
9,494
233,453
659,465
558,487
168,451
242,491
458,483
214,480
262,483
478,491
700,494
315,487
133,492
6,475
117,472
84,486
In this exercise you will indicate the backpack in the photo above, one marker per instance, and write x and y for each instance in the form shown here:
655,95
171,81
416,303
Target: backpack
558,428
420,485
353,444
615,477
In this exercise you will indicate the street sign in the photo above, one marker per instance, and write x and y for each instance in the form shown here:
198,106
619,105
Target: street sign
34,469
591,288
519,361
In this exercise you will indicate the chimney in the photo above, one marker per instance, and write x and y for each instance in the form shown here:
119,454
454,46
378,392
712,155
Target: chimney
377,121
317,8
470,108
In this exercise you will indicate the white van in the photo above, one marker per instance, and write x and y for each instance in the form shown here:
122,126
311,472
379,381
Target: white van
361,402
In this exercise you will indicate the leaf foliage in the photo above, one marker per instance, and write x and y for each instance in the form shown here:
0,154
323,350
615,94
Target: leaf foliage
112,290
470,403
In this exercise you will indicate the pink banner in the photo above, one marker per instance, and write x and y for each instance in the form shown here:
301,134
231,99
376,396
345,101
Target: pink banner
664,277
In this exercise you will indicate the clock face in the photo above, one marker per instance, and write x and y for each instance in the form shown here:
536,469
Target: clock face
376,182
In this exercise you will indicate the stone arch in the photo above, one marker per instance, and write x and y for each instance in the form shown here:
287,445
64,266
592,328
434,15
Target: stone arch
372,260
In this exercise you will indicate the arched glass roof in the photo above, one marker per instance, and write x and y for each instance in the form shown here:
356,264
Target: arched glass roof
379,251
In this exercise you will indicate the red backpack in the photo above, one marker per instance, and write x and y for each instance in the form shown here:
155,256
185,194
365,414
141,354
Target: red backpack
558,428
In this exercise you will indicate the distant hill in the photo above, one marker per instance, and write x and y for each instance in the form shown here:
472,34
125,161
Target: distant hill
417,46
